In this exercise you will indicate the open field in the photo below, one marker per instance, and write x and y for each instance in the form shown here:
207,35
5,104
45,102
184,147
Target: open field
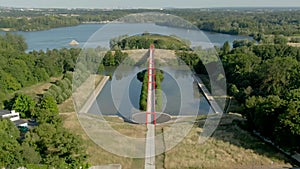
99,156
161,55
35,90
229,147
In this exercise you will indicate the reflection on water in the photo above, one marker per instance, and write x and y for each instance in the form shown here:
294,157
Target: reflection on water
181,95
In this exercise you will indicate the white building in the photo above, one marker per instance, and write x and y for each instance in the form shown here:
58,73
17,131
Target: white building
13,116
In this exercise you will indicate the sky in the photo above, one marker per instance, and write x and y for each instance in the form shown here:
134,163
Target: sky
147,3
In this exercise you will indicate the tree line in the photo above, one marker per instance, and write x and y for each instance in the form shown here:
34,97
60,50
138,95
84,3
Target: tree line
264,79
144,40
143,77
235,21
61,90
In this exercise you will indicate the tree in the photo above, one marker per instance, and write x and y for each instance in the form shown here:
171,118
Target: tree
240,43
24,105
265,51
241,69
8,82
101,69
62,84
226,48
262,113
290,118
281,40
41,74
258,37
57,147
118,57
108,59
276,75
47,112
46,116
10,155
288,129
19,70
17,41
29,155
49,103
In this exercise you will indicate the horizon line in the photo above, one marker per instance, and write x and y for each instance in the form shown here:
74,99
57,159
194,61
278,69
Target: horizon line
153,8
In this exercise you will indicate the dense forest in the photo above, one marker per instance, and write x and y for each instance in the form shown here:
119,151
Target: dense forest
49,143
245,22
264,80
252,22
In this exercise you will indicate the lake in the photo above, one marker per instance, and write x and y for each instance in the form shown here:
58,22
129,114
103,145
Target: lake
61,37
184,100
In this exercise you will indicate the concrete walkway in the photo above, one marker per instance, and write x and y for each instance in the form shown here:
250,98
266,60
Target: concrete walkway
150,136
208,96
150,147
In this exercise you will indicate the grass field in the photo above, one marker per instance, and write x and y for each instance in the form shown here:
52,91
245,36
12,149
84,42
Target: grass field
97,155
35,90
229,147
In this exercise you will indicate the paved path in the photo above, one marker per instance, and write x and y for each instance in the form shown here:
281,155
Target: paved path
208,96
150,137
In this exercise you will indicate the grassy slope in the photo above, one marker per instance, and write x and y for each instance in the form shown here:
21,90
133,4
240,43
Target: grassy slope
229,147
35,90
97,155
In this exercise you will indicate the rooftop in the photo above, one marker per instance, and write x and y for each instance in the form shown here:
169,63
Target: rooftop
3,112
19,122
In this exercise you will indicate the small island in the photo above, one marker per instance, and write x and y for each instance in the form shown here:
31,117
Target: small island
73,43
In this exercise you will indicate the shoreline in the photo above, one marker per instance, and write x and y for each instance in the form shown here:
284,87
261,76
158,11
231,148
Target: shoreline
210,99
88,103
